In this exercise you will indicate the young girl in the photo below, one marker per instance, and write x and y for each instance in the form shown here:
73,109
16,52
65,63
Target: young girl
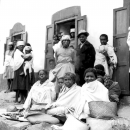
106,56
92,90
64,58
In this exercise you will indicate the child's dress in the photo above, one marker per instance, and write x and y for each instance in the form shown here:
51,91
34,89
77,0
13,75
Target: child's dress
28,64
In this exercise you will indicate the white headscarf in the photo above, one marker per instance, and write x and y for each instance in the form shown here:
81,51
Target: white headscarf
19,43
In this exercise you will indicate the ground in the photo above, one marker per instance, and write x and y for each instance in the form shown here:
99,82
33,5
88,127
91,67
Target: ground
124,111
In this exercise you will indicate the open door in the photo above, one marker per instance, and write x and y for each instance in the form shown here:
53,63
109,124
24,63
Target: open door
80,24
121,24
24,37
49,44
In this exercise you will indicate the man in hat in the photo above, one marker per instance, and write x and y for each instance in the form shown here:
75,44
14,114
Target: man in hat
8,65
86,54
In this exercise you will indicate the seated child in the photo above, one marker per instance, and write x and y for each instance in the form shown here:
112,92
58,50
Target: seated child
28,62
100,72
112,86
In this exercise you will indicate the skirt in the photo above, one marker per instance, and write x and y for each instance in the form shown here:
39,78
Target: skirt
9,73
62,68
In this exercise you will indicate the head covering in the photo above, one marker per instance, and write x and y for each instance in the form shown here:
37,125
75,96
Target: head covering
28,48
72,30
129,28
65,37
19,43
10,43
83,32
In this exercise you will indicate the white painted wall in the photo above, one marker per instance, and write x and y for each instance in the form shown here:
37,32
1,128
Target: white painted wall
36,14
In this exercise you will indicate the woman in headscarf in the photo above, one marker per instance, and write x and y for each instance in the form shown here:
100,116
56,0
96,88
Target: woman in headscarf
8,64
64,59
21,83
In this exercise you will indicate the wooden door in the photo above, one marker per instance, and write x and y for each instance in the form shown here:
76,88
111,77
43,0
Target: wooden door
8,39
24,37
80,24
49,44
121,23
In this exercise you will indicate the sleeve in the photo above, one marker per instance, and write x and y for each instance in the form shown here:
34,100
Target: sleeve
91,55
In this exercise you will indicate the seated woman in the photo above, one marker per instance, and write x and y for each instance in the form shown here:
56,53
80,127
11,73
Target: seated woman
41,93
112,86
92,90
68,101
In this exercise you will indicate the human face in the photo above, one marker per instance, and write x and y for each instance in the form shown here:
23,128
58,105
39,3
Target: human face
52,64
82,38
60,82
66,43
59,36
103,40
21,48
72,34
42,76
10,47
68,81
89,77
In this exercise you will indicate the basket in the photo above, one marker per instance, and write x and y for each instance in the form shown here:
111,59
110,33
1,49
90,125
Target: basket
103,110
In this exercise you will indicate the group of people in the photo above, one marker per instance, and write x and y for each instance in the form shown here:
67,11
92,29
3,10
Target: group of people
62,92
18,69
69,86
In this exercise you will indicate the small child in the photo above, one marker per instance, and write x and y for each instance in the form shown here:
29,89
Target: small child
109,53
28,62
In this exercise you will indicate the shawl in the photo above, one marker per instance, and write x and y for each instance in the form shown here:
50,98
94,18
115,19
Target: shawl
41,93
18,60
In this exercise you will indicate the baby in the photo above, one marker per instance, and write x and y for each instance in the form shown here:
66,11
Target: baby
28,63
108,51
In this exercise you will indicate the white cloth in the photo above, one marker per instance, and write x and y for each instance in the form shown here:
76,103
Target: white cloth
41,93
28,64
69,97
93,91
18,60
101,59
8,59
128,39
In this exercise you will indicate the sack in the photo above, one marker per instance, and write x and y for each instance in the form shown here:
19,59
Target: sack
103,110
74,124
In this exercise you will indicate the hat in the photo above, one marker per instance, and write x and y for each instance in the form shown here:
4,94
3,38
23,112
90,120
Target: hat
83,32
65,37
19,43
72,30
27,48
10,43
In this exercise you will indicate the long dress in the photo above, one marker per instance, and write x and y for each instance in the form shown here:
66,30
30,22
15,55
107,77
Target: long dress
21,82
8,64
64,62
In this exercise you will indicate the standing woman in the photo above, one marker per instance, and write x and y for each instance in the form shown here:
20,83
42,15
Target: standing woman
64,59
20,82
8,64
